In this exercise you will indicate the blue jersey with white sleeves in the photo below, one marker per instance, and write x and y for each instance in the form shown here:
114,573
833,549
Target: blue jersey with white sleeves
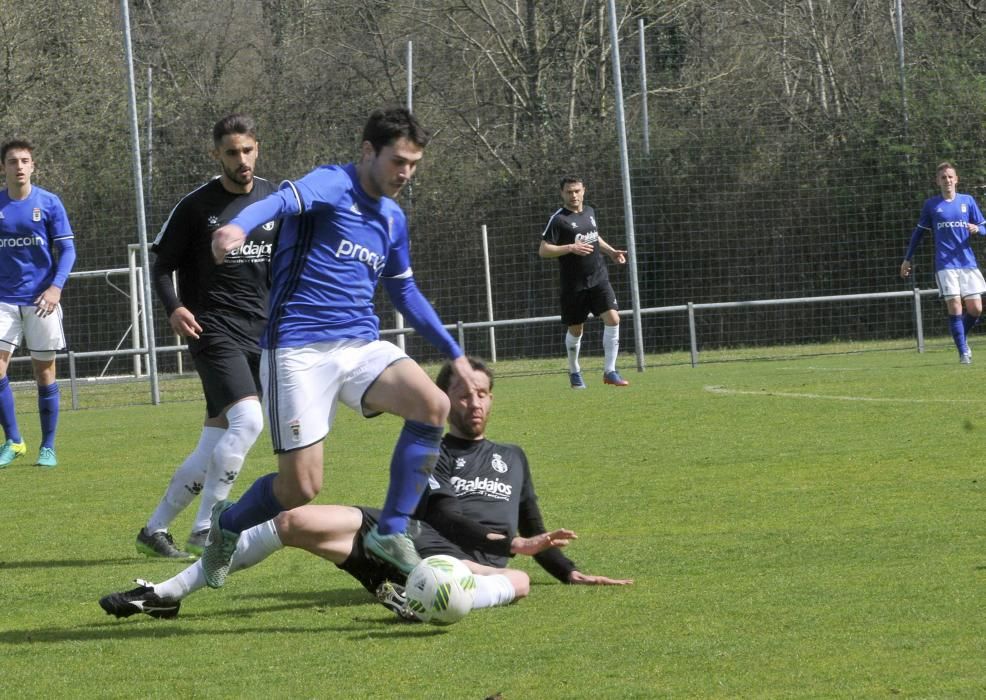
29,228
948,221
336,242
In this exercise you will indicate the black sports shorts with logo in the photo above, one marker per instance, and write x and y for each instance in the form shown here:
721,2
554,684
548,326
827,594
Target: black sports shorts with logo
229,372
577,305
371,572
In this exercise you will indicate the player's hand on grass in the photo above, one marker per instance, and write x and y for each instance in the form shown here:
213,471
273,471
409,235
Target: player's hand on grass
577,577
539,543
225,239
184,324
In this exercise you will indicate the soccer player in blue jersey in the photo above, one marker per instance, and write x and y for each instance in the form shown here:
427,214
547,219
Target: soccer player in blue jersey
341,233
573,237
953,217
35,261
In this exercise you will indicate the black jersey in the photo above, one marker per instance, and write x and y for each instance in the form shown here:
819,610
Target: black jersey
578,272
228,300
491,485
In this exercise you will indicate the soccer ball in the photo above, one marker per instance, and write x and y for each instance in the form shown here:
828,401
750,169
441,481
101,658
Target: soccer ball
440,590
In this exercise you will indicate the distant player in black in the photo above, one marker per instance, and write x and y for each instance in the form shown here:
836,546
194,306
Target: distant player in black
221,311
573,237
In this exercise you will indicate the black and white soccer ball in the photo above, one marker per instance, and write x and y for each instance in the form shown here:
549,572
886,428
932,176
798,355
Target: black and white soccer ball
440,590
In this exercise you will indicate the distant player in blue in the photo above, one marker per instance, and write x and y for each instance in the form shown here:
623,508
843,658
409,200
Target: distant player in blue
36,257
341,232
953,218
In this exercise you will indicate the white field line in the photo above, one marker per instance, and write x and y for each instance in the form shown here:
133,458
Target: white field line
827,397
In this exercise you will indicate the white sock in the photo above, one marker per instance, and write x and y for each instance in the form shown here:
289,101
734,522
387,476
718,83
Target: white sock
246,421
255,544
611,346
573,344
186,483
492,591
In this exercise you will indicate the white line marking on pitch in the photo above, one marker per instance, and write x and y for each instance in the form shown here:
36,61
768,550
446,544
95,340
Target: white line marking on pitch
793,395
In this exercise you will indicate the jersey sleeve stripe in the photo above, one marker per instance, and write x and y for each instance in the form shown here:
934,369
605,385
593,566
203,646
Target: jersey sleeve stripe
297,194
550,221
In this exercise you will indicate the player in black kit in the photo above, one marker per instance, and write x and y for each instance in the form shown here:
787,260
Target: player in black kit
573,237
221,311
481,507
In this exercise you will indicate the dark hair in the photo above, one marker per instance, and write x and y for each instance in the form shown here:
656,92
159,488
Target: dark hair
234,124
15,143
444,379
569,180
383,127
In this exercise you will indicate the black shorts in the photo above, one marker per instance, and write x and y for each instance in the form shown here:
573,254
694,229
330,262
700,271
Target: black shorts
576,306
371,572
228,372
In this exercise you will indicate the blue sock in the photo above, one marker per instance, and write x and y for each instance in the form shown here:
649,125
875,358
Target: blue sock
8,418
48,408
958,333
257,505
969,322
414,458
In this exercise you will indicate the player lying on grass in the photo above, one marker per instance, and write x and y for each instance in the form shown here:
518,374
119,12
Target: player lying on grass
481,503
334,533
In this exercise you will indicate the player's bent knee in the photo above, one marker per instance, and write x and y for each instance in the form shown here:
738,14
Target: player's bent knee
246,418
521,583
292,492
432,408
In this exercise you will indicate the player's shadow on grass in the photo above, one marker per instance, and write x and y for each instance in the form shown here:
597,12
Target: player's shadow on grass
66,563
362,628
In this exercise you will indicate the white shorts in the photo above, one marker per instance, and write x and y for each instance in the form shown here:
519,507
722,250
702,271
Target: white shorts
961,282
42,336
303,385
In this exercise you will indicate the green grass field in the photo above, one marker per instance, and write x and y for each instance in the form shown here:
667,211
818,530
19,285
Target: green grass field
807,527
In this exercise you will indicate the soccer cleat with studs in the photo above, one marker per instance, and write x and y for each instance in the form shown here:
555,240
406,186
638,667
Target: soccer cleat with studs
196,542
158,544
613,378
576,381
10,451
391,596
396,549
219,548
46,458
142,599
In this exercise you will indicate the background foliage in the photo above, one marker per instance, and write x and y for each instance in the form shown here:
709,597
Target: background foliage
785,158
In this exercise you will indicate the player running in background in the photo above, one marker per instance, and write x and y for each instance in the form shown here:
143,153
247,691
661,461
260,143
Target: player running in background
573,237
342,232
953,217
482,504
38,254
221,312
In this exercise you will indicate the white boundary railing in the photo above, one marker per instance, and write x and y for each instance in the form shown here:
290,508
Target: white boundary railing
138,348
